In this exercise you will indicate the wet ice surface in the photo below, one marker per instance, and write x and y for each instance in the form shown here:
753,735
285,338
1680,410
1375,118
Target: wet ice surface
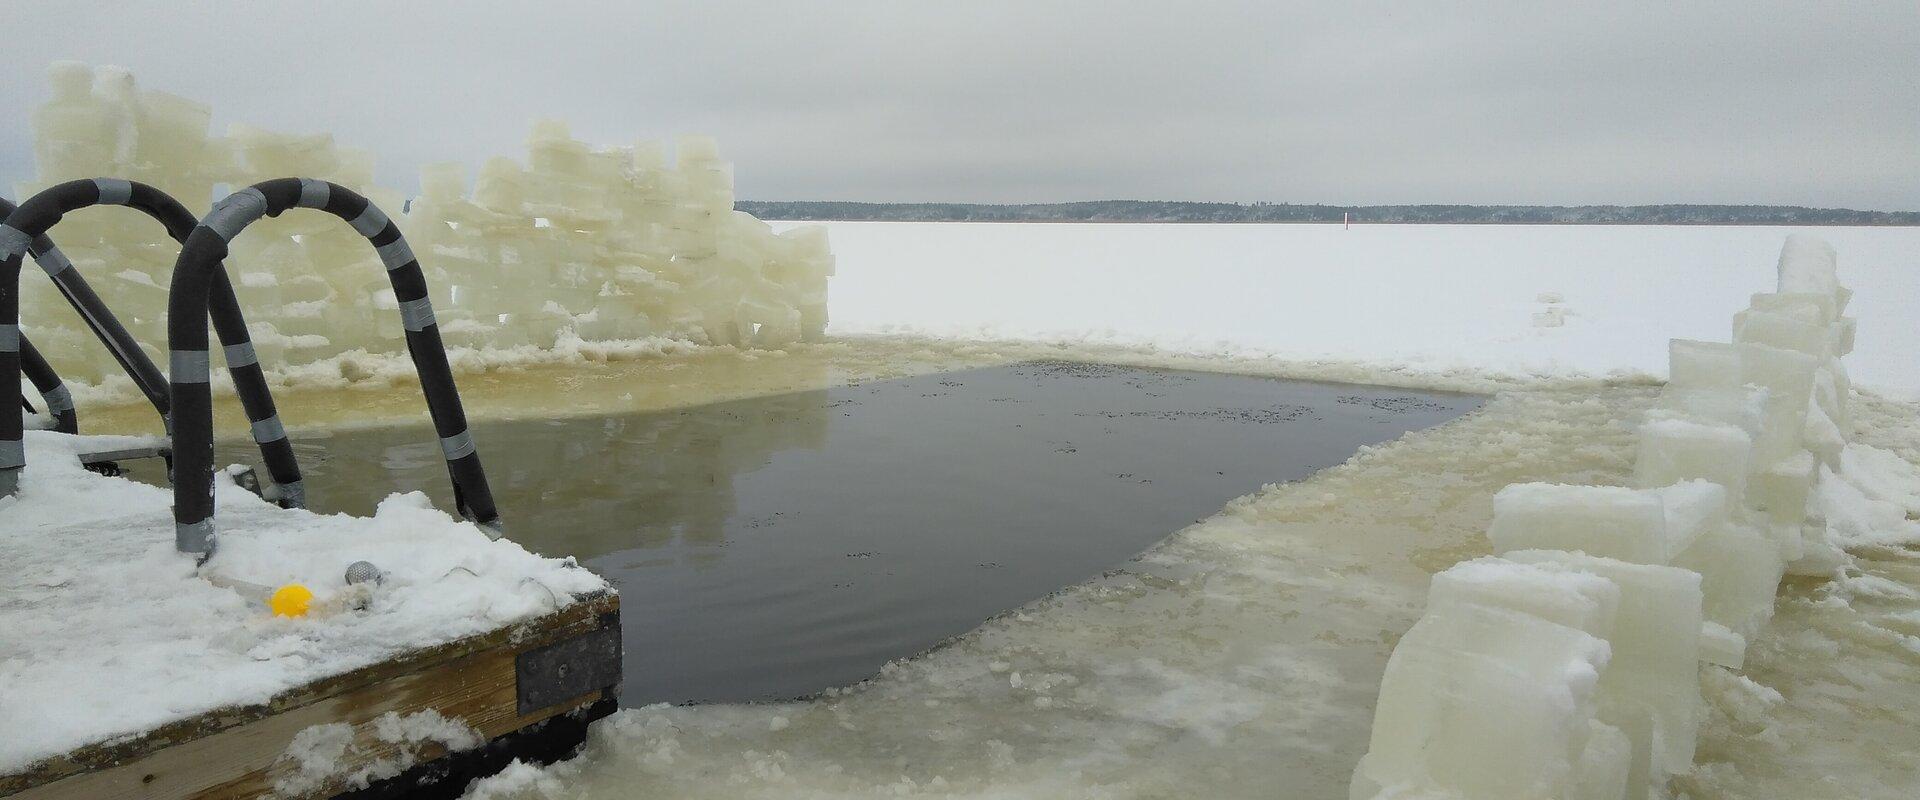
1238,658
773,547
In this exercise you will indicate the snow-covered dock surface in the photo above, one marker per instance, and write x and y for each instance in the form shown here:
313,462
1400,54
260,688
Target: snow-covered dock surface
106,631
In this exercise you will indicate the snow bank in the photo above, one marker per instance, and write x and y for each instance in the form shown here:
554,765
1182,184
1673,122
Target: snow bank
1695,555
93,594
364,370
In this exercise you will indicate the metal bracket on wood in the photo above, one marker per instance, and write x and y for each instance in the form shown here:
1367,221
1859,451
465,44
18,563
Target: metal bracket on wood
566,670
123,455
106,462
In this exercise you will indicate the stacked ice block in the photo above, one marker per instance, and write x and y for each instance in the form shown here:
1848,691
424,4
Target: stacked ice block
606,244
615,244
97,124
1491,694
1567,666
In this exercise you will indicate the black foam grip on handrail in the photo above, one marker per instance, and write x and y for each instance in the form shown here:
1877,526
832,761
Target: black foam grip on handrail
32,220
45,380
79,294
193,278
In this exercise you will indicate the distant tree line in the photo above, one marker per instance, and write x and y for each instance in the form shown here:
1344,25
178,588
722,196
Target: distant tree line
1163,211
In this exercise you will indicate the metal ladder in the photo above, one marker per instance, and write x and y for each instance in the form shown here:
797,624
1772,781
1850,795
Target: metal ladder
24,231
199,289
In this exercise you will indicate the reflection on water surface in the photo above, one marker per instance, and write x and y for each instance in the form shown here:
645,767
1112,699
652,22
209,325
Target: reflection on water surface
776,546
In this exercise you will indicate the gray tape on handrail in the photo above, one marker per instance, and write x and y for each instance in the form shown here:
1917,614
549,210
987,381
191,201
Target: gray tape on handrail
193,537
113,191
9,338
188,366
234,212
493,528
59,399
269,430
457,446
416,315
53,261
13,454
13,241
370,222
314,194
395,254
293,495
241,355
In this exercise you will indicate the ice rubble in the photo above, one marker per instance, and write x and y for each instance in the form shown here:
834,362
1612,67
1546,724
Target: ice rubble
1568,666
610,244
92,593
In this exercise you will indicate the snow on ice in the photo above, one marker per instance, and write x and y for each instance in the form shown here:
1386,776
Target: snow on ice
1437,299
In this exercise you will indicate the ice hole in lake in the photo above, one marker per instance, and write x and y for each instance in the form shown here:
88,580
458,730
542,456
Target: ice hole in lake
773,547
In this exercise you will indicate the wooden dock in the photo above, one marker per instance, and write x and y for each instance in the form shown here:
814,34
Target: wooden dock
528,689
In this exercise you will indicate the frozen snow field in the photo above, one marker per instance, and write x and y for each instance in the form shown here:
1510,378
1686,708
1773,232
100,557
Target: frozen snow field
1426,297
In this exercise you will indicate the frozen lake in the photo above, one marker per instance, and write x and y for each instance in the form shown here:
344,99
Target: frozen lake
1427,297
1244,653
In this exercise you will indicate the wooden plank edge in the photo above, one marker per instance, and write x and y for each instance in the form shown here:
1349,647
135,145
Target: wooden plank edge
448,777
581,616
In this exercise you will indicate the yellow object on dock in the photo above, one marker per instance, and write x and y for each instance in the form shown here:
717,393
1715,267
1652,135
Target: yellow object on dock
291,600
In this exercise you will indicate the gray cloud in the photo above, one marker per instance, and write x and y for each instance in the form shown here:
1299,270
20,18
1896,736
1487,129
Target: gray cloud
1488,102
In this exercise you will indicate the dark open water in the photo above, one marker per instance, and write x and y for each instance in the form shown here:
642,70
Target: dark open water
773,547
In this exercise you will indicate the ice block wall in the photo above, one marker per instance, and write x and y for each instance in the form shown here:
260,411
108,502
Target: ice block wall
598,243
1568,666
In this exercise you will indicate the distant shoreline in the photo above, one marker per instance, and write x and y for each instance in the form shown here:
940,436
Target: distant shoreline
1358,223
1146,211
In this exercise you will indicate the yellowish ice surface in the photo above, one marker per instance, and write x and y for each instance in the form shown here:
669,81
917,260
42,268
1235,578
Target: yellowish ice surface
359,389
382,389
1240,657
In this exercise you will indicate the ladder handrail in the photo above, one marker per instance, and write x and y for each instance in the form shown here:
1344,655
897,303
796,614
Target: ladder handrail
29,223
59,401
193,278
105,326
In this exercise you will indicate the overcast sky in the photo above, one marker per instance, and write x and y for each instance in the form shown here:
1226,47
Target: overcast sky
986,101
